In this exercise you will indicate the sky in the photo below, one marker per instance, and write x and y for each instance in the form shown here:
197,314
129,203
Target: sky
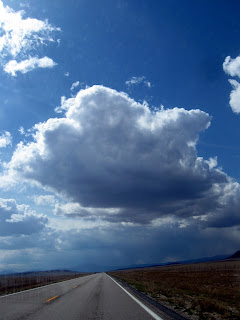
119,132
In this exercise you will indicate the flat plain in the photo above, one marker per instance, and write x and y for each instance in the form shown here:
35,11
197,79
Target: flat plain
209,290
11,283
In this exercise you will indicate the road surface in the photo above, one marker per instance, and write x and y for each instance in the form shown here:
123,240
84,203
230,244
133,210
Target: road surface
95,296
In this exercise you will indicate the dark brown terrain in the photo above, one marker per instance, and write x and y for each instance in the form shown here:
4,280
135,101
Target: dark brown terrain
208,290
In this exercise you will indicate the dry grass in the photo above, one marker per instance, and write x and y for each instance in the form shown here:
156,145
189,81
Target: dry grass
202,291
18,282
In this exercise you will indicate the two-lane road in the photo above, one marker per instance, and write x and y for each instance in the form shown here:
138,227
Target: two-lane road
91,297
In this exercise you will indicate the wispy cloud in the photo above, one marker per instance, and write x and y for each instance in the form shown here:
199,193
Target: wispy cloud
28,65
75,85
21,130
5,139
20,36
138,80
45,200
24,5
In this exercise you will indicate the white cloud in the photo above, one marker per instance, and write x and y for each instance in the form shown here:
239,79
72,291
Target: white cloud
235,96
138,80
19,219
148,84
232,67
110,152
74,209
22,34
28,65
70,209
212,162
67,74
21,130
75,85
24,5
5,139
45,200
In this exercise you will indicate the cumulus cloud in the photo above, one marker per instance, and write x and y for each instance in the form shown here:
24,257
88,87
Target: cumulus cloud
110,152
138,80
19,219
235,96
5,139
28,65
232,67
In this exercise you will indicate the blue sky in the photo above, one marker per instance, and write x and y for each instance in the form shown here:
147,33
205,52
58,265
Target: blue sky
119,131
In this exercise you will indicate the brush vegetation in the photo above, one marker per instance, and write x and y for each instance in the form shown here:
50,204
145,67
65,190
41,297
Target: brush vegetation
12,283
209,290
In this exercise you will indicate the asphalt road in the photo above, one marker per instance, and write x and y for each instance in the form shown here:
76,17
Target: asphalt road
91,297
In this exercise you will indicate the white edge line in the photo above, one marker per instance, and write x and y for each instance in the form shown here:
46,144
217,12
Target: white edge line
47,285
149,311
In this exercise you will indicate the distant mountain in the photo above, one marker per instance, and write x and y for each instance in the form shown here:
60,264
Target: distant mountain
205,259
92,268
236,255
5,272
97,268
34,273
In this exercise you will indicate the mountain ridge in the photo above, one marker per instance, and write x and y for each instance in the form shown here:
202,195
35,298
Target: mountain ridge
236,255
136,266
97,268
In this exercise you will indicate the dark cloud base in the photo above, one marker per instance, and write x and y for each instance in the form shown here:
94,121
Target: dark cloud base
110,152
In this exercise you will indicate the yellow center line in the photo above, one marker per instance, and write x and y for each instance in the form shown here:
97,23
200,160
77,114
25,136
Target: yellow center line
51,298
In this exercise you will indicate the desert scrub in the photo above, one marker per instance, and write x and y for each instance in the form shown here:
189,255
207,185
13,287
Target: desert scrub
206,290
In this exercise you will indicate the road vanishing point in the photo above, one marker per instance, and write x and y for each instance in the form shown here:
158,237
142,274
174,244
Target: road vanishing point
96,296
